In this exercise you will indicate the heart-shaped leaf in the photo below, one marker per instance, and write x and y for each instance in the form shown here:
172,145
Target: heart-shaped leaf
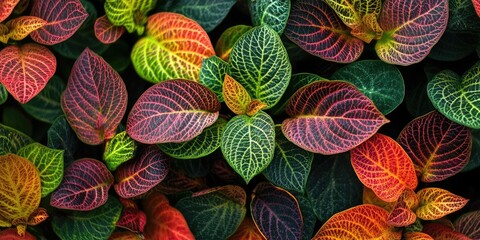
95,99
46,105
227,40
442,232
61,136
315,27
235,95
248,144
383,166
118,150
435,203
84,187
276,212
409,37
247,231
212,73
131,14
326,117
106,32
11,140
142,174
26,69
455,96
63,18
172,111
469,224
438,147
174,47
274,14
476,5
6,8
12,234
21,26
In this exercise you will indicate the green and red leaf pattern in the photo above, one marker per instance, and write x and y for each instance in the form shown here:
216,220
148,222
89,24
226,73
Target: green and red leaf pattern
435,203
133,220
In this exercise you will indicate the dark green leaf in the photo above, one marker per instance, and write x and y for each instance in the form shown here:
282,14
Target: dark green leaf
212,74
46,105
227,40
17,119
462,17
118,150
272,13
61,136
308,216
3,94
11,140
416,98
454,46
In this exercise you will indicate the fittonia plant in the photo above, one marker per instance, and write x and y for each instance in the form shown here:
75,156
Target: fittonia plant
240,119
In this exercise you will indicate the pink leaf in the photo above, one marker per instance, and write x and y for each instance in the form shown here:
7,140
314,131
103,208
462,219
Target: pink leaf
476,4
469,224
106,32
133,220
441,232
6,8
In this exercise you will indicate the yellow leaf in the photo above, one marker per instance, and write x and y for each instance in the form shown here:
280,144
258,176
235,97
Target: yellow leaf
435,203
235,95
22,26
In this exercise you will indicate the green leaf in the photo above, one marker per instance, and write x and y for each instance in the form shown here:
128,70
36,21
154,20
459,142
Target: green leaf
3,94
309,218
227,40
118,150
202,145
49,163
458,98
333,186
97,224
46,105
248,144
132,14
61,136
379,81
462,16
11,140
290,166
475,155
212,73
16,118
259,62
272,13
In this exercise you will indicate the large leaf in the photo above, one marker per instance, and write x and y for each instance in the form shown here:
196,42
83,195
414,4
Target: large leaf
6,8
97,224
21,27
457,97
379,81
260,63
411,28
227,40
84,187
11,140
383,166
118,150
469,224
174,47
272,13
438,147
130,14
61,136
142,174
330,117
442,232
248,144
435,203
276,212
26,69
63,18
172,111
95,99
212,74
46,105
315,27
106,32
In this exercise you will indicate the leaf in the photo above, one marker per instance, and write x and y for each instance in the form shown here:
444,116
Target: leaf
202,145
438,147
416,236
11,234
26,69
315,27
178,182
454,46
61,136
462,16
369,197
84,187
63,18
22,26
235,95
456,97
409,37
401,215
416,97
106,32
142,174
260,63
174,47
11,140
3,94
474,161
276,212
435,203
197,168
332,186
6,8
326,115
247,231
379,81
441,232
127,235
164,221
97,224
212,73
248,144
227,40
383,166
46,105
172,111
271,13
130,14
118,56
290,165
476,5
308,216
133,220
469,224
95,99
363,222
118,150
17,119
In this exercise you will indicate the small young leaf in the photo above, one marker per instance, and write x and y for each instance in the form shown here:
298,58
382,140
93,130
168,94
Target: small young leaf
130,14
6,8
118,150
469,224
46,105
212,73
11,140
402,215
106,32
61,136
435,203
441,232
21,26
254,106
235,95
271,13
227,40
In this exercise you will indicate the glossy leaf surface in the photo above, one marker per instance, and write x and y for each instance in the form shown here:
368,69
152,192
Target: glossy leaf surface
330,117
227,40
235,95
11,140
46,105
172,111
130,14
212,73
106,32
441,232
6,8
469,224
272,13
21,26
118,150
435,203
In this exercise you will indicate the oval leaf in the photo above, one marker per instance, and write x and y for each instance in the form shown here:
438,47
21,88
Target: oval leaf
6,8
95,99
106,32
22,26
327,115
212,74
118,150
11,140
235,95
26,69
469,224
271,13
84,187
130,14
172,111
227,40
435,203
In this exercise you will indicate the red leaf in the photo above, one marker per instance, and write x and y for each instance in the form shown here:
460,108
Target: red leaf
401,215
63,20
172,111
84,187
138,176
438,147
106,32
6,8
417,236
441,232
383,166
11,234
133,220
26,69
435,203
247,231
469,224
95,100
330,117
476,4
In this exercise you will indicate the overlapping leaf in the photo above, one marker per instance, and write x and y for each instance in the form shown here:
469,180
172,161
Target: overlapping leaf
369,197
11,140
212,73
469,224
330,117
46,105
462,16
402,215
308,216
178,182
441,232
172,111
435,203
132,219
20,27
61,136
235,95
130,14
227,40
6,8
272,13
118,150
417,236
106,32
454,46
174,47
247,231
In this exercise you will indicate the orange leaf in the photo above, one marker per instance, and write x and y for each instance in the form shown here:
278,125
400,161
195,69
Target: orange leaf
22,26
247,231
4,36
382,165
361,222
369,197
401,215
441,232
436,203
235,95
6,8
417,236
254,106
